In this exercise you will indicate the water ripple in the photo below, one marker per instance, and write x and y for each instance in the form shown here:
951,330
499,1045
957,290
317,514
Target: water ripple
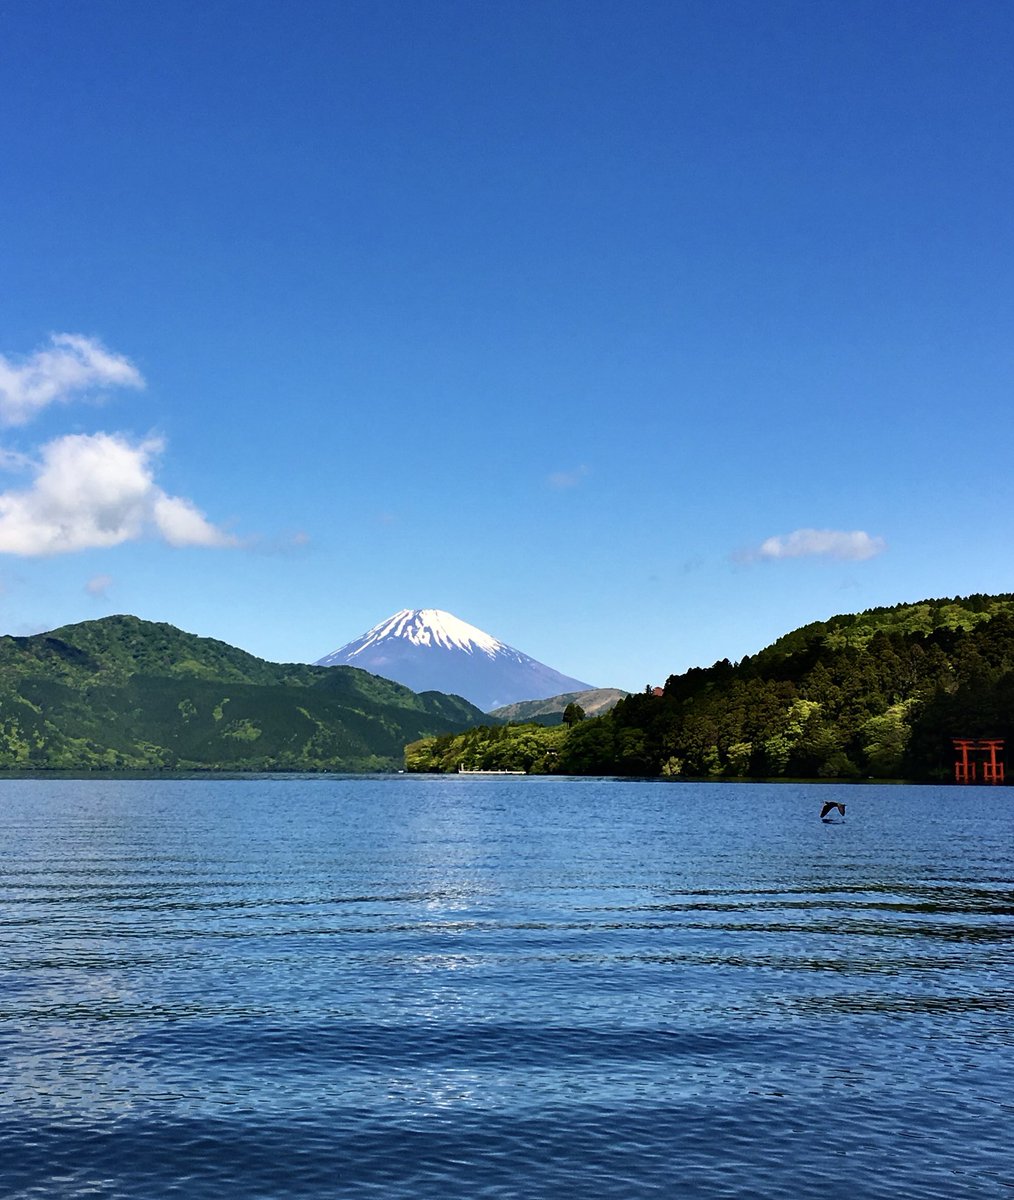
515,988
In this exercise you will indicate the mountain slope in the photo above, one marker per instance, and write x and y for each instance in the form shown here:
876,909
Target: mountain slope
125,693
550,711
431,649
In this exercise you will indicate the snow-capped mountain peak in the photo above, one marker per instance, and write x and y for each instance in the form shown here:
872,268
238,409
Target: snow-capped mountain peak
431,627
428,649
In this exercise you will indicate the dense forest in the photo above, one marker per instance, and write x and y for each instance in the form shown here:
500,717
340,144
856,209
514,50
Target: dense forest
125,694
875,695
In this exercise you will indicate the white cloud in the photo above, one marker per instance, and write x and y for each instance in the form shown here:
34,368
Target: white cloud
854,545
182,524
94,490
567,479
71,364
98,586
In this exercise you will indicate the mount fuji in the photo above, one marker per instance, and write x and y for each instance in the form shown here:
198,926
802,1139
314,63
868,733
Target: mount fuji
429,650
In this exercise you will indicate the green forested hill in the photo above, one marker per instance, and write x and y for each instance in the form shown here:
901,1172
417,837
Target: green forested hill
122,693
878,694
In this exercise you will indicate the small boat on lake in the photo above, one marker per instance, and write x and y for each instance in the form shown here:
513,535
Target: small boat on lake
462,770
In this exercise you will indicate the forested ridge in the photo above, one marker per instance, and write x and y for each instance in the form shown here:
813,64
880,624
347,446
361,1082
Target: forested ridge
877,695
125,694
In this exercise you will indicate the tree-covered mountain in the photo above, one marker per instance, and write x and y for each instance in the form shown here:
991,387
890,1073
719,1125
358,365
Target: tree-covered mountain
122,693
594,702
875,695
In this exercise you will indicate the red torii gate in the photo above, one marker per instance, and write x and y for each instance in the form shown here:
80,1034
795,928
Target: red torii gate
970,753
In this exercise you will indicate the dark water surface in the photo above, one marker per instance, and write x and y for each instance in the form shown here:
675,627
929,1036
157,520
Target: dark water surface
492,988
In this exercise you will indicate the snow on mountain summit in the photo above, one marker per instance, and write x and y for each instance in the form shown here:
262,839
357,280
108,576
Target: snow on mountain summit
431,627
428,649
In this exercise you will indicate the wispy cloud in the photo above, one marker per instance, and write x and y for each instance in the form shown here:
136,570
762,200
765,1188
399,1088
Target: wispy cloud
98,586
13,460
848,545
567,479
72,364
95,490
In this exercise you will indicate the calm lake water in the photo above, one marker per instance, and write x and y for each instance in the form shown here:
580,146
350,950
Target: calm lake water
496,988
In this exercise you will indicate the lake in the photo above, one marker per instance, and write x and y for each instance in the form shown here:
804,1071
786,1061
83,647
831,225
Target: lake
501,988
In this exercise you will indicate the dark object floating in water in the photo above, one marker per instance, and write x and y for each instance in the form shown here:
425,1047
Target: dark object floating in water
829,807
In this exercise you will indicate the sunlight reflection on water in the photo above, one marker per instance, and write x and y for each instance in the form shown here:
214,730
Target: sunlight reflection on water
504,988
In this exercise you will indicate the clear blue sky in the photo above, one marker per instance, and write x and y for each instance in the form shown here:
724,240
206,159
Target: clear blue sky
635,333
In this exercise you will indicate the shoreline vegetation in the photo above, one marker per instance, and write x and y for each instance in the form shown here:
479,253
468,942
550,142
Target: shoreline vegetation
873,696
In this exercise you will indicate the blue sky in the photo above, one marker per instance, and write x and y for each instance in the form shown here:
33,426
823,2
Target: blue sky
635,334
